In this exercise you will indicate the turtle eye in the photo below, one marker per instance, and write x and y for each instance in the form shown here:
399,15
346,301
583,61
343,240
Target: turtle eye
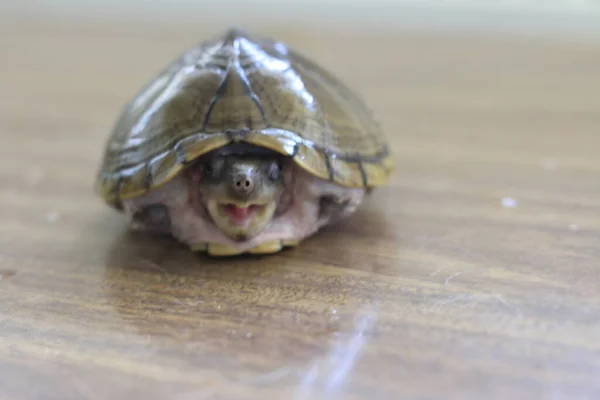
274,172
213,167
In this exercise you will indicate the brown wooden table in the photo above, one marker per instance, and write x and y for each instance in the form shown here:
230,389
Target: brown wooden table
473,275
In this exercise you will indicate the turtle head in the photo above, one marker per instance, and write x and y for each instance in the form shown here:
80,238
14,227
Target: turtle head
241,192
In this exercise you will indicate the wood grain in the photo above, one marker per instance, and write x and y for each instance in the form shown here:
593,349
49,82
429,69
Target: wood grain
433,290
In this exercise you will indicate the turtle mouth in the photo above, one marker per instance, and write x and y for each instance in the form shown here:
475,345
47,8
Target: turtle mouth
241,220
241,214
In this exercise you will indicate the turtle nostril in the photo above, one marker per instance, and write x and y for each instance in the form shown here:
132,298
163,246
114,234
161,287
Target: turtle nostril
243,184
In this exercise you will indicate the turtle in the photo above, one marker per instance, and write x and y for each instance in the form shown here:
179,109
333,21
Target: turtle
242,145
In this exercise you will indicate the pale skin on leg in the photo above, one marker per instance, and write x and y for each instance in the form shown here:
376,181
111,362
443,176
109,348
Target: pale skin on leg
233,204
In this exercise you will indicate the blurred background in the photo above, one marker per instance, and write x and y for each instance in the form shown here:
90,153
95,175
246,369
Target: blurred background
566,17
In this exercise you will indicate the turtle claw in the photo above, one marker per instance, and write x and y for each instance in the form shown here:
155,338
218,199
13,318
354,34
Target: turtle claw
221,250
267,248
332,207
153,218
290,243
224,250
199,248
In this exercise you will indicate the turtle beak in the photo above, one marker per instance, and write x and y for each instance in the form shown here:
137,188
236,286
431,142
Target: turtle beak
241,214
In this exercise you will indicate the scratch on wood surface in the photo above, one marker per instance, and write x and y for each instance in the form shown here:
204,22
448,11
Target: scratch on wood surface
450,278
474,299
152,265
188,302
273,376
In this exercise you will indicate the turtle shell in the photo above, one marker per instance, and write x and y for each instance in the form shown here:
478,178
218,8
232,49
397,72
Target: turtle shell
238,88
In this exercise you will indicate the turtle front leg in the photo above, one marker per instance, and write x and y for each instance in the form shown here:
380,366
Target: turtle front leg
153,218
333,207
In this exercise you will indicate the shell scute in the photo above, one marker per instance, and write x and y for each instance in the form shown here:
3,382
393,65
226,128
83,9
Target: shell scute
239,88
163,167
134,181
348,173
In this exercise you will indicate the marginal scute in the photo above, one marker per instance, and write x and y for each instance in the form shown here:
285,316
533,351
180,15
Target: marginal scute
242,88
107,187
387,164
197,145
278,143
133,181
313,161
347,173
374,173
163,168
